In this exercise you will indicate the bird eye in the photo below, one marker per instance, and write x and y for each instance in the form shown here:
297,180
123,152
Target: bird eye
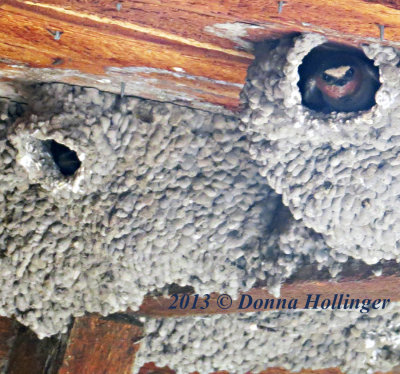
341,90
327,78
349,73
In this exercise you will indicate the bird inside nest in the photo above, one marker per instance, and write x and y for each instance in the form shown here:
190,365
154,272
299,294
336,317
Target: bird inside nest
335,78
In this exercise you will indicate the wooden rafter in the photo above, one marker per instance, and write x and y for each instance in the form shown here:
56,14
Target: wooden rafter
194,53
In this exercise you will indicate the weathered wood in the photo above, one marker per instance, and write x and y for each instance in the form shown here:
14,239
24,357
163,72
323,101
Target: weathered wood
94,345
355,19
30,355
93,45
193,53
8,332
101,55
150,368
101,346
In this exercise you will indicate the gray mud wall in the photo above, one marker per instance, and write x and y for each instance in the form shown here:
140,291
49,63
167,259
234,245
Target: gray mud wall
167,194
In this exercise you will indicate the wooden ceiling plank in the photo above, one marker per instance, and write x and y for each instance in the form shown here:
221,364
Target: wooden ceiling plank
86,55
187,39
31,355
94,49
8,333
358,18
98,345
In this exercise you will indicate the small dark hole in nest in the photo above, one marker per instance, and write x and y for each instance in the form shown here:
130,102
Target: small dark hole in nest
336,78
66,159
366,203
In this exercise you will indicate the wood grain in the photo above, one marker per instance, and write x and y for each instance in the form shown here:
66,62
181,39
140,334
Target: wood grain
8,332
188,19
150,368
194,53
88,50
101,346
31,355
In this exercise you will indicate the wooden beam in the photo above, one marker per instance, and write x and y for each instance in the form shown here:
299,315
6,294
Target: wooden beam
94,53
194,53
192,20
92,45
102,346
8,332
31,355
94,344
151,368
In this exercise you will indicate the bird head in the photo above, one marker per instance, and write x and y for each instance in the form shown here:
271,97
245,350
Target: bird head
340,79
